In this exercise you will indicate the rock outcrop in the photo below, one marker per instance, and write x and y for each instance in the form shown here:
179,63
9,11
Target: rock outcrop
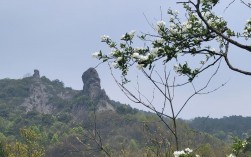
92,89
46,96
38,98
36,74
91,80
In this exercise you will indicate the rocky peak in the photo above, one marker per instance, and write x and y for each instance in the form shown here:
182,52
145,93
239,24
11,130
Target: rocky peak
91,80
36,74
92,89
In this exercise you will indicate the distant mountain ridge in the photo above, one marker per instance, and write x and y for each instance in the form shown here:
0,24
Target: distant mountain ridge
223,128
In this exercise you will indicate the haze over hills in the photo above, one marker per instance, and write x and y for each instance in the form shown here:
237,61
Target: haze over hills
65,119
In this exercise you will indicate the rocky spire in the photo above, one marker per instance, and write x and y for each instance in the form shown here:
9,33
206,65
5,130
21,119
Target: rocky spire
91,80
36,74
92,89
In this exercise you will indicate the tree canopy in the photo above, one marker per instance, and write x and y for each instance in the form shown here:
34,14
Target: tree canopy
199,34
190,43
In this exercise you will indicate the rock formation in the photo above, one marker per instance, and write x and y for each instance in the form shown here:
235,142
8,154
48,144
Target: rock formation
36,74
38,98
44,96
91,80
92,89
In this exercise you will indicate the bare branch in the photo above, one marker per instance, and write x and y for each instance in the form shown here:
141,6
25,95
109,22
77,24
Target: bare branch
245,47
229,5
230,65
246,4
196,92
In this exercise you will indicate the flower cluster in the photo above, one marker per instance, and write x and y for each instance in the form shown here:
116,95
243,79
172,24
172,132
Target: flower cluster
247,29
124,53
160,27
170,42
128,36
231,155
96,55
209,3
179,153
185,153
238,145
104,38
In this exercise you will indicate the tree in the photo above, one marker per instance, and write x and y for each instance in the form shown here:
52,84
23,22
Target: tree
185,45
30,147
201,31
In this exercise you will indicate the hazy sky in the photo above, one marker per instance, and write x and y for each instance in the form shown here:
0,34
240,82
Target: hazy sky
58,36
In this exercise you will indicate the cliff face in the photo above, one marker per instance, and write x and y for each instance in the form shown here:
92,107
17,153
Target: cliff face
49,97
46,96
38,98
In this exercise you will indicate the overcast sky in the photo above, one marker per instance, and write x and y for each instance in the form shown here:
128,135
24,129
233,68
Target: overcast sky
57,37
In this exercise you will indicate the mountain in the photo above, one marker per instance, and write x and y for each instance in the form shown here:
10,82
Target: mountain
70,122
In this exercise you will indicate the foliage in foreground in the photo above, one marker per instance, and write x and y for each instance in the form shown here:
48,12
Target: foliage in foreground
190,45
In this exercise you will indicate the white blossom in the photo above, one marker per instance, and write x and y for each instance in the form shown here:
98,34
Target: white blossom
231,155
123,37
154,51
128,35
178,153
161,23
115,65
131,33
188,150
248,20
140,66
160,26
135,55
104,38
244,143
212,49
195,15
174,28
96,55
186,25
247,29
160,41
176,12
113,53
119,59
246,34
206,14
144,58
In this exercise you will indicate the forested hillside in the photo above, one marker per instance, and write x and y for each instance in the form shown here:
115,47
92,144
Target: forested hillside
223,128
44,118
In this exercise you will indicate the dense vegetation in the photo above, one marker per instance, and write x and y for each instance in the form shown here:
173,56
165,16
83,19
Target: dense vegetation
179,46
223,128
74,128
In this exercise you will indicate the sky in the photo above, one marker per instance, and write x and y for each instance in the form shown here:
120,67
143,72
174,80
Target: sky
57,37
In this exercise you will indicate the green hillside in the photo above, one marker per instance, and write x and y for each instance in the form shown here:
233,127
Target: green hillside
223,128
40,113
